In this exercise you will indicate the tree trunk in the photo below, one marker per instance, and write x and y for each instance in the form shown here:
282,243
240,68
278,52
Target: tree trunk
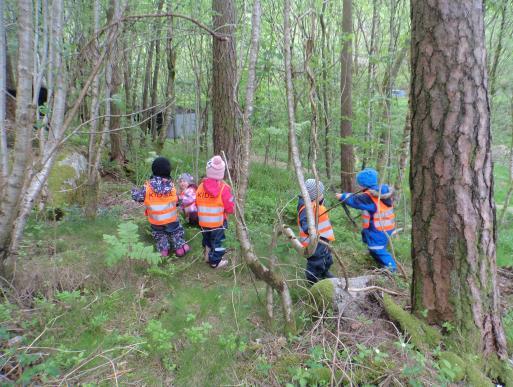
116,139
224,69
346,104
4,159
453,229
24,124
328,156
155,79
371,79
510,183
169,116
146,86
497,53
295,157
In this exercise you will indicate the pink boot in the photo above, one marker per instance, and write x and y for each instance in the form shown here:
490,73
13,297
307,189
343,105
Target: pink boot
164,253
182,250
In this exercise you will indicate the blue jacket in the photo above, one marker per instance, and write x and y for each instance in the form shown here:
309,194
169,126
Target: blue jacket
370,236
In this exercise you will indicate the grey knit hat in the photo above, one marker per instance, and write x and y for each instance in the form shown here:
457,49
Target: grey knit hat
311,187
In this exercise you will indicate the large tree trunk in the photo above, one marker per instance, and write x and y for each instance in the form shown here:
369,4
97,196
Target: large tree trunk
453,229
11,194
4,167
224,73
346,103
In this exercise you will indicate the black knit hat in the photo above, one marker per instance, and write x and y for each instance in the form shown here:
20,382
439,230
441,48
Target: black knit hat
161,167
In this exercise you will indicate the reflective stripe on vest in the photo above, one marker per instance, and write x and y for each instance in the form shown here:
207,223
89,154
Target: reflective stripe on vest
383,218
160,208
210,208
323,228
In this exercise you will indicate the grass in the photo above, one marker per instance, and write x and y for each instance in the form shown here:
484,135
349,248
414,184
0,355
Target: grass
183,323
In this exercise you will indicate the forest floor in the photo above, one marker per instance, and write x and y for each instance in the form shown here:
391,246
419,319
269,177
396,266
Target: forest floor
74,319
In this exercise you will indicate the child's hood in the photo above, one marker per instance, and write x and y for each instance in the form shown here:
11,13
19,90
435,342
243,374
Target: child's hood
301,202
212,186
386,192
161,185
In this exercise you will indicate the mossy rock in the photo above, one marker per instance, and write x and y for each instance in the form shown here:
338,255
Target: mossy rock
323,294
65,179
422,335
456,364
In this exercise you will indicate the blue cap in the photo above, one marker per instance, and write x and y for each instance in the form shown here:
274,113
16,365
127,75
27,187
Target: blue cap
368,178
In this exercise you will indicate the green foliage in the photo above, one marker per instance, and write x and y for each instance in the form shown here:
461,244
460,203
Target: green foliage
158,337
127,246
198,334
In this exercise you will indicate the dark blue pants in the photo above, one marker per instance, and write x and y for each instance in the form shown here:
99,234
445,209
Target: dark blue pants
213,239
318,265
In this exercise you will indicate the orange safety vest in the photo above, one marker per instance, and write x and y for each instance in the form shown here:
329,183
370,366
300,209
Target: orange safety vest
210,207
323,228
160,208
384,218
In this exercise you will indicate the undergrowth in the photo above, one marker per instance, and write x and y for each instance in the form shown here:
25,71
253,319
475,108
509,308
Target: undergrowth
96,305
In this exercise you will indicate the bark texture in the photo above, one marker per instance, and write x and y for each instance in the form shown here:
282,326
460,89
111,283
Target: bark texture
453,212
346,102
224,73
24,123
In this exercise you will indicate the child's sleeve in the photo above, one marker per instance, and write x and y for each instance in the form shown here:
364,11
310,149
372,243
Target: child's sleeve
303,221
360,202
188,197
228,200
138,194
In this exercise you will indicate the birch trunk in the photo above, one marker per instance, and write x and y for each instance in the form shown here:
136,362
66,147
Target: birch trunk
24,123
296,161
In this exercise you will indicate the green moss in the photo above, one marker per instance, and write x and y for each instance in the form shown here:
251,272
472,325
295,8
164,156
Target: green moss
499,370
422,335
457,365
56,185
283,365
323,294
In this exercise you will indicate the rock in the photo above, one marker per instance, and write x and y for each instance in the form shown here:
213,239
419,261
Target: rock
67,175
330,293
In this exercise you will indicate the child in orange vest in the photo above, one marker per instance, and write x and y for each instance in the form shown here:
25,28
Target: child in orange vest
159,197
188,198
318,265
378,219
214,200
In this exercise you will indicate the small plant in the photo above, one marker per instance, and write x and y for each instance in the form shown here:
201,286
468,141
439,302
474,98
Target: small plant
128,246
159,338
69,298
300,375
448,326
99,320
199,333
263,366
232,343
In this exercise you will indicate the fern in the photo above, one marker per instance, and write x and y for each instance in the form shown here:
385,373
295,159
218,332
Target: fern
126,245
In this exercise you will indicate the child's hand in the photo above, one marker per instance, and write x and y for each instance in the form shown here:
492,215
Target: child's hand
342,196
